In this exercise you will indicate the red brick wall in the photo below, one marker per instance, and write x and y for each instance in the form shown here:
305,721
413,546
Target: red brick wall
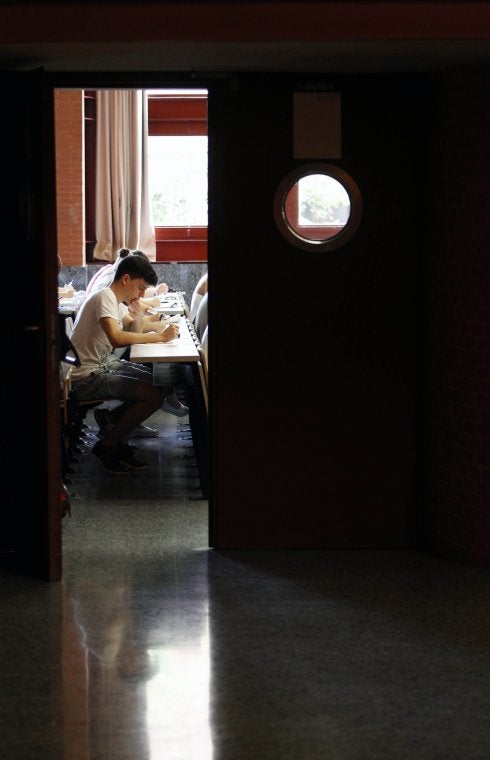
458,352
69,176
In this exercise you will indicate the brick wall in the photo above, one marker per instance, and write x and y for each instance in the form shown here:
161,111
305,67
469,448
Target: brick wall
69,176
458,352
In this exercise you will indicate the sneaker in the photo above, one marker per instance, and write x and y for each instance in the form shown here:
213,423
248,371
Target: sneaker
126,456
108,458
143,431
172,405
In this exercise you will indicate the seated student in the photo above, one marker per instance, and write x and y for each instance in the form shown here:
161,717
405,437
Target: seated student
159,290
151,299
103,279
105,275
100,327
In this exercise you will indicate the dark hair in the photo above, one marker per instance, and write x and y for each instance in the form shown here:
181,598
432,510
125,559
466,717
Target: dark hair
137,252
136,267
123,252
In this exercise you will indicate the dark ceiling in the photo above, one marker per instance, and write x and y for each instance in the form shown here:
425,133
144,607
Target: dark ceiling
181,56
244,35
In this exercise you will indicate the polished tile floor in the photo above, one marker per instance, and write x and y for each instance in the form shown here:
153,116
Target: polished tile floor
155,647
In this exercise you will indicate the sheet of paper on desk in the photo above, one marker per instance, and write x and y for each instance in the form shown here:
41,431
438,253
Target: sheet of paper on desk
169,310
68,303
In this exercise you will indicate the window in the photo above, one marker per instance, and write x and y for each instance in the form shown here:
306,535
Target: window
178,163
317,207
178,180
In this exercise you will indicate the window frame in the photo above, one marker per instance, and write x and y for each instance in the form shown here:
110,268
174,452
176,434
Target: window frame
172,113
285,203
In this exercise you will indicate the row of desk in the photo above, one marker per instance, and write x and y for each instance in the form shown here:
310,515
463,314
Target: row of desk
181,349
185,349
171,304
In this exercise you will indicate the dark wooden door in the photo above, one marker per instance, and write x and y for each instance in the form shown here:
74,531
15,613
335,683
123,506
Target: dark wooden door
30,535
313,356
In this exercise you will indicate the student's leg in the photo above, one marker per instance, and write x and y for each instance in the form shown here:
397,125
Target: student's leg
144,372
147,400
141,401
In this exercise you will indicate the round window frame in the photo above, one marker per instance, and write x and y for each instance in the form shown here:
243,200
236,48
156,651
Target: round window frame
349,185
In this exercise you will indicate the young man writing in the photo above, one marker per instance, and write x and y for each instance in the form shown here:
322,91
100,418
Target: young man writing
103,325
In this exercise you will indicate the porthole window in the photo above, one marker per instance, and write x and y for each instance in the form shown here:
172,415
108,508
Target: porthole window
317,207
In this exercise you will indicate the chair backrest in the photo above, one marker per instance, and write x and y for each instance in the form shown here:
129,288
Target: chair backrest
203,358
204,342
202,348
201,320
195,301
68,352
68,326
197,296
65,375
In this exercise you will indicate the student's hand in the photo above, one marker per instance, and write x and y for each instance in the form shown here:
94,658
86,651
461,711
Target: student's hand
159,290
171,331
154,317
150,303
159,326
135,308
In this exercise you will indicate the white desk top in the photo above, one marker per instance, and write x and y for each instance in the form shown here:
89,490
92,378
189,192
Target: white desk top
171,303
181,349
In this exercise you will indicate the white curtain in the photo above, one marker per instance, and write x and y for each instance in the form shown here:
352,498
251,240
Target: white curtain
123,216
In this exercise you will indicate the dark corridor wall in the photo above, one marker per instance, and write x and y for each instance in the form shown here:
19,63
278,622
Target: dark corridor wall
315,393
457,509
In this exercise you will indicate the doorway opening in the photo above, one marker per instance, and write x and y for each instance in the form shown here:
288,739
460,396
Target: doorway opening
177,137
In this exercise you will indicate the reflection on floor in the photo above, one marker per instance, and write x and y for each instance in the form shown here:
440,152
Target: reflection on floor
155,647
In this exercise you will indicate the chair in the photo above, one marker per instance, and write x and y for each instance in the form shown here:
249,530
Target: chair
204,345
74,410
201,319
204,340
68,326
203,355
69,359
202,364
197,296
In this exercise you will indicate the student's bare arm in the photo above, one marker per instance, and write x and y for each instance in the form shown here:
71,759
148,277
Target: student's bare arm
119,338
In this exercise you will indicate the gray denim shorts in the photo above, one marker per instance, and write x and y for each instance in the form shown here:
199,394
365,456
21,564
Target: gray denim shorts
117,380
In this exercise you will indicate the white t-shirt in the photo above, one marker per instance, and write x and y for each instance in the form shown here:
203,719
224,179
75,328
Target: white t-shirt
103,278
88,337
